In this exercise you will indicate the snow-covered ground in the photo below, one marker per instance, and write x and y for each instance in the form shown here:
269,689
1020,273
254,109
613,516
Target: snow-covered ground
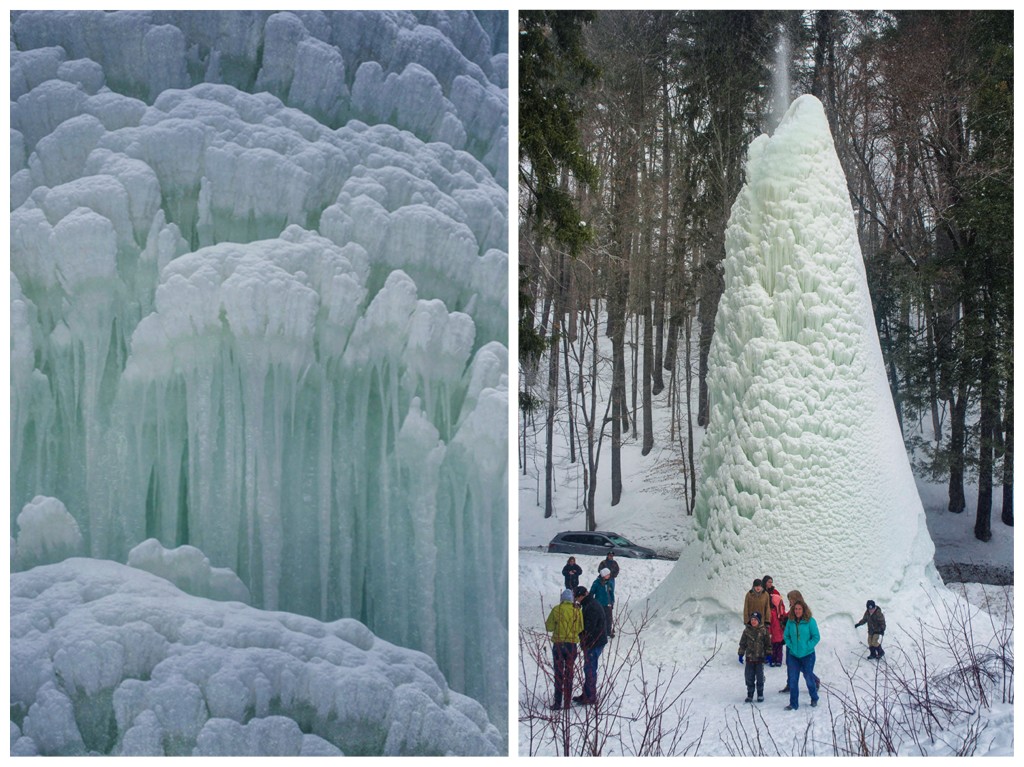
652,513
715,697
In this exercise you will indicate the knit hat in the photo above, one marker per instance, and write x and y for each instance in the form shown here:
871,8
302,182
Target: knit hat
567,595
755,616
581,591
871,603
757,582
605,572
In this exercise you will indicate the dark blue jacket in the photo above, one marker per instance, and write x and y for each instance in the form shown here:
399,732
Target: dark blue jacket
595,630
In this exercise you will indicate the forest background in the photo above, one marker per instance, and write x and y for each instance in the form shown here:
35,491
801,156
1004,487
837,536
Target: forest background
633,131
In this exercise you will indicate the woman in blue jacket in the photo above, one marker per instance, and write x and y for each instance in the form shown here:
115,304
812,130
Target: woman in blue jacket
801,637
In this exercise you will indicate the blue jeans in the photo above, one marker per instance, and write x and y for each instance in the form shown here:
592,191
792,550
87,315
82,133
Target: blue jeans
794,668
590,659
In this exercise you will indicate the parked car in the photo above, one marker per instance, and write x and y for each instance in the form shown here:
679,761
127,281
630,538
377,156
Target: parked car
597,543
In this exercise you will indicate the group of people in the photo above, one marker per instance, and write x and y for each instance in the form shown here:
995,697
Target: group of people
768,626
583,619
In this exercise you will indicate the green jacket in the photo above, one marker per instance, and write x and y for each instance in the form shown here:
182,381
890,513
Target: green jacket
801,637
565,622
755,644
876,622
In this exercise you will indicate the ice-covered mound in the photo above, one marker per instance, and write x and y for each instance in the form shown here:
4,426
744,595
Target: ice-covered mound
47,533
190,570
258,263
804,472
106,659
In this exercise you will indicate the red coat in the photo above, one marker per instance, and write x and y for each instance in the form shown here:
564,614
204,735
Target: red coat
775,628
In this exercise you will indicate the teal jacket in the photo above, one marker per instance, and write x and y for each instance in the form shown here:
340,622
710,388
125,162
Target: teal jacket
604,591
801,638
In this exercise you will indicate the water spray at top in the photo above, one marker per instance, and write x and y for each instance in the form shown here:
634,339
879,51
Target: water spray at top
780,78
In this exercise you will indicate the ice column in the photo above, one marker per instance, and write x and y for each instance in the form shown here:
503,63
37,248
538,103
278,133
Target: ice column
804,471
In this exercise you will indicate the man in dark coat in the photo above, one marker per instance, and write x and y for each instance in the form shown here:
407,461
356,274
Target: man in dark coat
610,563
592,640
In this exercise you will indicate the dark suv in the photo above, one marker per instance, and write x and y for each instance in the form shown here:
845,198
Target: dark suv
597,543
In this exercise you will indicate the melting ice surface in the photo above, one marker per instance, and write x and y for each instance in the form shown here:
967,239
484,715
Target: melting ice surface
259,323
805,476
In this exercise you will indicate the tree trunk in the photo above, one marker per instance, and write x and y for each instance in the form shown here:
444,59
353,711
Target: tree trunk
568,399
618,395
989,417
692,492
549,425
649,367
1007,515
957,443
707,311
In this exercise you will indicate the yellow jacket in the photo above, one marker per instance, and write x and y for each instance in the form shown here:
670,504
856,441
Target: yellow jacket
565,621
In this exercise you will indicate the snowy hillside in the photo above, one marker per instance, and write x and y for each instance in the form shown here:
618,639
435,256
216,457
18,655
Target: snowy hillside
259,307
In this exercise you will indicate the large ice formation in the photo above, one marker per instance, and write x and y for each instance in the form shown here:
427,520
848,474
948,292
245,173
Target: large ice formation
106,659
259,306
804,471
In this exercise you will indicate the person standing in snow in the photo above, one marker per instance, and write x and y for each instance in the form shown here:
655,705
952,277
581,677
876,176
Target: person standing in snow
572,572
777,622
876,628
609,563
757,600
592,640
792,597
801,637
756,645
603,590
565,622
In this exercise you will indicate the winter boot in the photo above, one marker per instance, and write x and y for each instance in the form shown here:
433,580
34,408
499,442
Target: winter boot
881,652
749,698
874,653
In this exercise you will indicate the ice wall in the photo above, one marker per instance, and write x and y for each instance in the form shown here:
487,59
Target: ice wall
259,306
804,472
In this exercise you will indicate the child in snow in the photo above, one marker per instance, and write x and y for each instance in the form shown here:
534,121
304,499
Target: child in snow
756,645
876,628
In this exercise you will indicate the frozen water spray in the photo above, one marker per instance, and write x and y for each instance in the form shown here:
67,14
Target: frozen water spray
780,76
805,474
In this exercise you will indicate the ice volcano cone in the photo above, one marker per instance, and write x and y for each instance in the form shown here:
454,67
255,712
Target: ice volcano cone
805,475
